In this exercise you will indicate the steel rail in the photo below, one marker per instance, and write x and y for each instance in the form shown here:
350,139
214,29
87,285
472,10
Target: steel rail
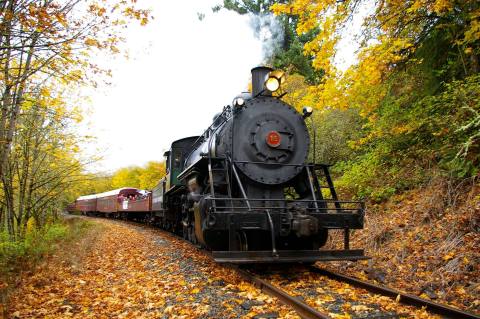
404,298
302,309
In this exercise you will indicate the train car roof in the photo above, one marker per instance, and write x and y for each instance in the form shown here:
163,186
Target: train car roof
86,197
116,191
110,193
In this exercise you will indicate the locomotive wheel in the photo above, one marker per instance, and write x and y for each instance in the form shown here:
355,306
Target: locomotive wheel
147,219
242,240
191,235
188,233
321,239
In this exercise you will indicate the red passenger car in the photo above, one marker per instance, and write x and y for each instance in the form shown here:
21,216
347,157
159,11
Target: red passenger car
109,202
140,203
86,204
71,207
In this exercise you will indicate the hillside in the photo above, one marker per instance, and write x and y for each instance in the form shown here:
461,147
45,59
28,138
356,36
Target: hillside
424,242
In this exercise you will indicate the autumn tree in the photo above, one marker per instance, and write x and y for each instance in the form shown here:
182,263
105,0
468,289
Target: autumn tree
91,183
415,85
145,177
42,39
41,163
151,174
45,49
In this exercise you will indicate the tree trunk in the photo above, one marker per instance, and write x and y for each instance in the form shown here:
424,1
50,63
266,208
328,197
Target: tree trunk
6,96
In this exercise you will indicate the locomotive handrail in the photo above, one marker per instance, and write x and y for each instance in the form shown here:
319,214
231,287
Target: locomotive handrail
241,186
263,208
289,200
283,164
264,163
209,152
312,189
201,137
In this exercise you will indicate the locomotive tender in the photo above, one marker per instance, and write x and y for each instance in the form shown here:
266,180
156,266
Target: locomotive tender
245,190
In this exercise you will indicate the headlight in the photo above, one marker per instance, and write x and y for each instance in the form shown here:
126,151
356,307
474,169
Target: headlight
272,84
307,111
239,102
274,80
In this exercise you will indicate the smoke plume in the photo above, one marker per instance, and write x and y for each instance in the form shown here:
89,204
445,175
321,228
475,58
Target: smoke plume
268,29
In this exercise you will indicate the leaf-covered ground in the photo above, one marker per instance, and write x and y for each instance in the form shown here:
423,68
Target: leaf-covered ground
339,299
419,244
126,270
425,242
131,271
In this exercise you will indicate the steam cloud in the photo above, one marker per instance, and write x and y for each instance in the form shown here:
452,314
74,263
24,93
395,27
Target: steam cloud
268,29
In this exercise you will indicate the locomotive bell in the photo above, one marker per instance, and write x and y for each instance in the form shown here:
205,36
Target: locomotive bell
240,100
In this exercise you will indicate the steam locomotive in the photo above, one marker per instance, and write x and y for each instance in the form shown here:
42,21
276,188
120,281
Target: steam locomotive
244,188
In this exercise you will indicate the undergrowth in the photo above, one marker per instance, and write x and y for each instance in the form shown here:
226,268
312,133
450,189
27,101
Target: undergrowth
424,241
22,254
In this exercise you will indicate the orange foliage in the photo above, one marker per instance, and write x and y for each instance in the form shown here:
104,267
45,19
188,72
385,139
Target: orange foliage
424,242
129,271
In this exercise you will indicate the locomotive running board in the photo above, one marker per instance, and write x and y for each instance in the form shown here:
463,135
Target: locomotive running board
286,256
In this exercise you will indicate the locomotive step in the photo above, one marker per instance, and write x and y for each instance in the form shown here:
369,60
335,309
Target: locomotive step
286,256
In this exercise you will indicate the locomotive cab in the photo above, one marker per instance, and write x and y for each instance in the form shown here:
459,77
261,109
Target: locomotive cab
167,195
175,160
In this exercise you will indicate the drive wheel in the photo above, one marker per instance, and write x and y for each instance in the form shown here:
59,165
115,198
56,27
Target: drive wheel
191,235
321,239
242,241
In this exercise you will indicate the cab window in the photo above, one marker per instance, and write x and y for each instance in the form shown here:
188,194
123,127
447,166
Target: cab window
167,162
177,158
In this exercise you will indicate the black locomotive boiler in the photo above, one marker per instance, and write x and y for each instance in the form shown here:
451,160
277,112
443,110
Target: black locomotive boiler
245,190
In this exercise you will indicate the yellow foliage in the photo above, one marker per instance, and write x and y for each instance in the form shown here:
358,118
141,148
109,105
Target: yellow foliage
473,33
441,6
361,85
31,225
140,177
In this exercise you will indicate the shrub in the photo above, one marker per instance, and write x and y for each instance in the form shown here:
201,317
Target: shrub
415,140
37,243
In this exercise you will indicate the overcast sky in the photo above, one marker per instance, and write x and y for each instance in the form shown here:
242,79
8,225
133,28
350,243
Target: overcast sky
180,73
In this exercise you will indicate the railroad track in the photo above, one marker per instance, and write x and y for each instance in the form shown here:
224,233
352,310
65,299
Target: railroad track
407,299
303,309
307,311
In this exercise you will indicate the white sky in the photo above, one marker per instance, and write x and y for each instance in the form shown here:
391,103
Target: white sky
180,73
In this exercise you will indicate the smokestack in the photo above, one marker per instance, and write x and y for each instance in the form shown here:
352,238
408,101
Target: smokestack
259,76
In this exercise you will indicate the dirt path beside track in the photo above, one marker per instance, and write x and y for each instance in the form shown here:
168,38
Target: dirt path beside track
130,271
